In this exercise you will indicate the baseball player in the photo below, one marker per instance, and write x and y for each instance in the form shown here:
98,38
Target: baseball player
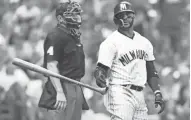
126,63
63,54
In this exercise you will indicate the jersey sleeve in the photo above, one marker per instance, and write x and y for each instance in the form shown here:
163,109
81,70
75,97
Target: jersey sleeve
53,48
150,54
106,54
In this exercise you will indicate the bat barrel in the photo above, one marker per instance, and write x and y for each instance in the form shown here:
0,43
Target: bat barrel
41,70
33,67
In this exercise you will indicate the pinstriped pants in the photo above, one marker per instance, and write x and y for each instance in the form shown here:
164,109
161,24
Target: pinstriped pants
124,103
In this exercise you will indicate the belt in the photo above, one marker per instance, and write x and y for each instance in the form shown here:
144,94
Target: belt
134,87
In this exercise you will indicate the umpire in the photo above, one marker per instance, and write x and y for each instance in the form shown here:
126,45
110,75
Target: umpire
63,54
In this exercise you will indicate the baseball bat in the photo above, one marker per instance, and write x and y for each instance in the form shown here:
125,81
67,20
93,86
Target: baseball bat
39,69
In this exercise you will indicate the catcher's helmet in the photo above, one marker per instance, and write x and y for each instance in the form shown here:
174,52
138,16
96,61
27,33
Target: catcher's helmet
123,6
70,11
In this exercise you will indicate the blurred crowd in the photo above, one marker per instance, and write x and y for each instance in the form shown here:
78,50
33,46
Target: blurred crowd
23,28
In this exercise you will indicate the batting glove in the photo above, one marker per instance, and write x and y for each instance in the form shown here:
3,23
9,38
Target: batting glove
100,76
159,101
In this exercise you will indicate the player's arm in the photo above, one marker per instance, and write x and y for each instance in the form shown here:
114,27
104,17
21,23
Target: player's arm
153,78
106,55
100,74
153,82
52,62
52,66
152,75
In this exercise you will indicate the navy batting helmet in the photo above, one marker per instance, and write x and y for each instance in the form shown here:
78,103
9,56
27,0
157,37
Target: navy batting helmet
123,6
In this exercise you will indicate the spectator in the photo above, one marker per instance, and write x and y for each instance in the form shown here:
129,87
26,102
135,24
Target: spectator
170,23
26,17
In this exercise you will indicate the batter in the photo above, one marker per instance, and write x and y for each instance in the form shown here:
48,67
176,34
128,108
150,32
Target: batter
126,60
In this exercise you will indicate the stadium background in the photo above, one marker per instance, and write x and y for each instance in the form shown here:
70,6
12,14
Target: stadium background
22,32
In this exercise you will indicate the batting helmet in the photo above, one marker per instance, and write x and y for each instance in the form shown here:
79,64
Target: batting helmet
123,6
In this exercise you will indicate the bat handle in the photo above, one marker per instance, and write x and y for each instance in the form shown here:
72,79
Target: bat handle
103,91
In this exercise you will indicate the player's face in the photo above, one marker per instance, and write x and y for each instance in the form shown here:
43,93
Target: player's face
75,17
127,18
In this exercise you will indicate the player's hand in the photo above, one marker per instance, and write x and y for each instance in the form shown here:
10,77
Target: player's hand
159,101
101,83
100,76
60,101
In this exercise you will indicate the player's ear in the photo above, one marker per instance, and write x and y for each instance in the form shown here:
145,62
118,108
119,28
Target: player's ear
60,19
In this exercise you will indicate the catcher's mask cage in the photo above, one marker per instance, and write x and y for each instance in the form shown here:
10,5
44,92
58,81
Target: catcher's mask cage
71,12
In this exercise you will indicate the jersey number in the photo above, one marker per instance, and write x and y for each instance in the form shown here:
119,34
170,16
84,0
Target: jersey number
50,50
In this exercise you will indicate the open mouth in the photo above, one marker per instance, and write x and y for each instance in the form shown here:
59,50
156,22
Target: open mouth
126,24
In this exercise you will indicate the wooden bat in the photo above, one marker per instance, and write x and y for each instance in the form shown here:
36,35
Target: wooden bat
39,69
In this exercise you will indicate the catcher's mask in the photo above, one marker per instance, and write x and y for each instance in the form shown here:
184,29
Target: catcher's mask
120,10
71,13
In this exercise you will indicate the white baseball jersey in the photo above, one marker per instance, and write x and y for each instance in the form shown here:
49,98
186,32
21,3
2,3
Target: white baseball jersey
126,58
